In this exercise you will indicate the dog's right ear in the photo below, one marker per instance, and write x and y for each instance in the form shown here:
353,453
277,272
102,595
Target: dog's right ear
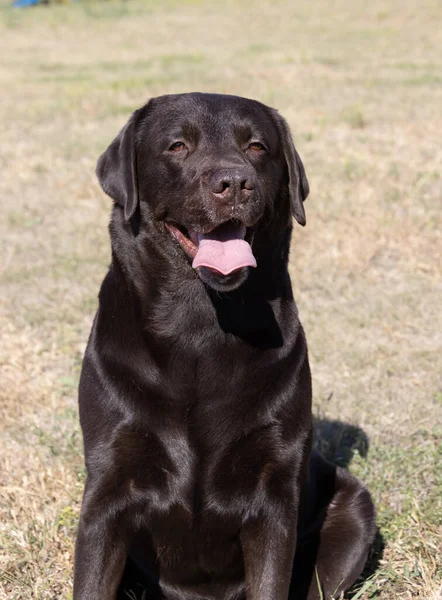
117,169
298,183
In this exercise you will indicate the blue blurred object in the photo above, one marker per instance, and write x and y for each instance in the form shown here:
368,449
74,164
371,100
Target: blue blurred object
24,3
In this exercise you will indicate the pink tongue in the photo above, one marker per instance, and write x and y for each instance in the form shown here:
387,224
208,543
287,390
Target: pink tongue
224,250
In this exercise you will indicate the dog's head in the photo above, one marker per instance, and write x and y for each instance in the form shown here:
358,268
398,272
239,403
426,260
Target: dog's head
210,171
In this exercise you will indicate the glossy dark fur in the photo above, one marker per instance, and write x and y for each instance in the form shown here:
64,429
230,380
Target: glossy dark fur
195,394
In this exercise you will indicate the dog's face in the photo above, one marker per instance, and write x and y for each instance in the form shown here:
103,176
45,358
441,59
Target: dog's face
208,169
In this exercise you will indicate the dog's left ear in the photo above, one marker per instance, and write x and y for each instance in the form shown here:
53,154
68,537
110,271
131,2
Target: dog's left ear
117,170
298,184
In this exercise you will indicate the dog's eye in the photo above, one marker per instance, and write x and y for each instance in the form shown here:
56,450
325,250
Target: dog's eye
257,147
177,146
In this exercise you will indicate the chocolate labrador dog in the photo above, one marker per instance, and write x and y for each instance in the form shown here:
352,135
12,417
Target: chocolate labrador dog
195,393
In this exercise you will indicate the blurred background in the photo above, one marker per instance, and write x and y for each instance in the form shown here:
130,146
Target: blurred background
361,86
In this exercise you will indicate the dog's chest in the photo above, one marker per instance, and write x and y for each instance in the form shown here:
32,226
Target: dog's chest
215,443
194,512
205,466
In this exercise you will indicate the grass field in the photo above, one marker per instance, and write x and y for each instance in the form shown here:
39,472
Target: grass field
361,85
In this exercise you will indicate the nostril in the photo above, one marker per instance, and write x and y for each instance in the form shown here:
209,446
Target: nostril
221,187
247,184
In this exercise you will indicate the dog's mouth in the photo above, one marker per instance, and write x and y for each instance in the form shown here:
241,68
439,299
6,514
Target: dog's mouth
224,250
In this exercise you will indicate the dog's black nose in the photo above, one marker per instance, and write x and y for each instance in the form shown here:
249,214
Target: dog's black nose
232,184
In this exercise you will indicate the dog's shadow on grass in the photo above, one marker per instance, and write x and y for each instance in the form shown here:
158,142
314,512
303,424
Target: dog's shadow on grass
338,443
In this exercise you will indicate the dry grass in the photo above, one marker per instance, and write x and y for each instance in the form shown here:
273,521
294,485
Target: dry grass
361,86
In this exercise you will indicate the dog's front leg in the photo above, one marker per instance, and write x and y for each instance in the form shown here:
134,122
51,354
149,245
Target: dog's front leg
268,545
101,549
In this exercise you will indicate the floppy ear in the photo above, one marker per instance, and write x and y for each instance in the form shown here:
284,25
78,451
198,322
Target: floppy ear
117,170
298,184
